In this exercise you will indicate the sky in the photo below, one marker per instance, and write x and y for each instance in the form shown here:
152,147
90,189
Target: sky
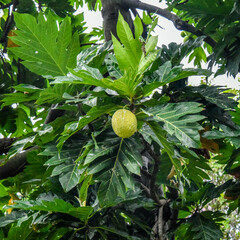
166,33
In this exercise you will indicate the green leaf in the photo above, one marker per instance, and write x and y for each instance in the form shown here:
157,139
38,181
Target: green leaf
27,88
117,232
3,191
18,97
151,44
116,178
146,18
129,55
112,67
95,153
84,190
45,50
66,164
146,61
91,115
80,77
161,135
195,9
236,116
58,205
199,56
22,122
21,232
138,27
180,120
13,217
216,95
205,229
196,166
166,74
126,85
70,178
55,94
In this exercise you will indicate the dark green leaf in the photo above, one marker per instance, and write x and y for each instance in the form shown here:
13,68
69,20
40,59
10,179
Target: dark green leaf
179,119
21,232
117,167
58,205
205,229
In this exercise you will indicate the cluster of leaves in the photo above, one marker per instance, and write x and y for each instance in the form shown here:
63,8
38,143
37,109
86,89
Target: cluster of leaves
84,182
219,20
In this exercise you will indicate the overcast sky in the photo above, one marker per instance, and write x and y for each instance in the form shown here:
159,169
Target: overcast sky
166,33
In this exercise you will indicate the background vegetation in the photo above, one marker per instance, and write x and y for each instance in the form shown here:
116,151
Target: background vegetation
65,174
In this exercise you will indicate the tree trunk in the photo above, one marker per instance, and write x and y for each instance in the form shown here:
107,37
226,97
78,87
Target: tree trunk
110,12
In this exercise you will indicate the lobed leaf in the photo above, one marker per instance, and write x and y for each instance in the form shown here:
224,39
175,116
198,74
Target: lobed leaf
45,50
180,120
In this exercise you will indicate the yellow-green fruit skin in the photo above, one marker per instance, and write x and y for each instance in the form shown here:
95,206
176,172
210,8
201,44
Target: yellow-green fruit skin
124,123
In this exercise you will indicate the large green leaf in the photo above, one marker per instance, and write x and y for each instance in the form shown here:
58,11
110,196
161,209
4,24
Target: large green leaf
205,229
45,49
129,51
58,205
166,73
125,85
129,55
114,167
22,121
20,232
66,166
215,95
180,120
112,66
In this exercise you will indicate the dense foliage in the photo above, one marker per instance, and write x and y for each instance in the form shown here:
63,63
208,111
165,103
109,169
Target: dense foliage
177,177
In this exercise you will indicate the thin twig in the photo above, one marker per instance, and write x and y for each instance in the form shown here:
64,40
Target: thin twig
39,5
160,223
146,190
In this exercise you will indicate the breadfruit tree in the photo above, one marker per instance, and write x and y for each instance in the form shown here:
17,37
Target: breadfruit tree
165,166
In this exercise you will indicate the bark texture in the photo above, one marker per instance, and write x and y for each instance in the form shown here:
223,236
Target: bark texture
110,12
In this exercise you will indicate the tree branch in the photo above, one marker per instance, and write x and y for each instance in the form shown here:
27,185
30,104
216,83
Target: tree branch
14,165
5,144
178,23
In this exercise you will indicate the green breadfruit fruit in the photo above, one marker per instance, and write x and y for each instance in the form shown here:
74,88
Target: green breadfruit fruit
124,123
